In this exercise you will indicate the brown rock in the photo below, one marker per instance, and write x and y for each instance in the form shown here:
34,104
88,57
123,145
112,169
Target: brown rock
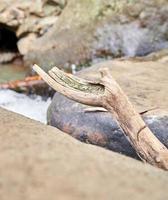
40,162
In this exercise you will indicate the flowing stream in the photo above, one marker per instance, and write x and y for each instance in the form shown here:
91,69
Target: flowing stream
34,107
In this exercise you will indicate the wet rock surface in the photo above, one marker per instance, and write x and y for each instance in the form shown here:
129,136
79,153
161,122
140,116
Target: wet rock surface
146,84
40,162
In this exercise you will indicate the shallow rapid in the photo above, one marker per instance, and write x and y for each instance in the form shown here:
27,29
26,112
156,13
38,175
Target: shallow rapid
33,107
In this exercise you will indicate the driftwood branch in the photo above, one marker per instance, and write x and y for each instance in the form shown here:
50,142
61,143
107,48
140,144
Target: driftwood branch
109,95
20,85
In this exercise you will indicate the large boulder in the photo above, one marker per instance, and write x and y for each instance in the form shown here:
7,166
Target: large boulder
84,30
145,83
40,162
94,29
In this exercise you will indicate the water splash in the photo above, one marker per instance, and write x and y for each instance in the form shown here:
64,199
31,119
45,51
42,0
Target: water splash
33,107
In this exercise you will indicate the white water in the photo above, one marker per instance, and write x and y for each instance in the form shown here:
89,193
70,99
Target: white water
34,108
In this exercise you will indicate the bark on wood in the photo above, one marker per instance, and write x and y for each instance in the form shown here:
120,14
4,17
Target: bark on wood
109,95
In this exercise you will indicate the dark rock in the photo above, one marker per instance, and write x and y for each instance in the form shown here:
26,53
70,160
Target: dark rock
98,128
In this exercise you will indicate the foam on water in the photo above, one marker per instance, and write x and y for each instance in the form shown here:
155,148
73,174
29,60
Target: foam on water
33,107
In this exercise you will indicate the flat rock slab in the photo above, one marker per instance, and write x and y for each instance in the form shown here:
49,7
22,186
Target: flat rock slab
146,84
40,162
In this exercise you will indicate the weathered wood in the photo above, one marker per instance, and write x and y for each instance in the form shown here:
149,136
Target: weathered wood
109,95
20,84
29,85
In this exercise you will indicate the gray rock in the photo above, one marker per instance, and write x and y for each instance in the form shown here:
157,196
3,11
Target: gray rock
130,39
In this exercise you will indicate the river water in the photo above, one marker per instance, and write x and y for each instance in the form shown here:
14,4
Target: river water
34,107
